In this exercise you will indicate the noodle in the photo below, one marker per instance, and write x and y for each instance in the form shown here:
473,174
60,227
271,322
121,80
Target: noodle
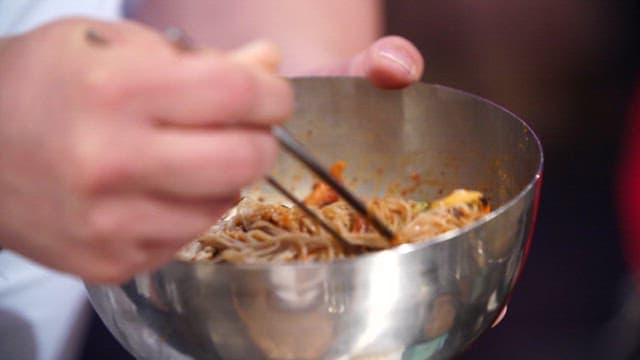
259,232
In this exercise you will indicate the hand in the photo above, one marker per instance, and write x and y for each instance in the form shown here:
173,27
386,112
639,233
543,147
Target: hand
113,155
390,62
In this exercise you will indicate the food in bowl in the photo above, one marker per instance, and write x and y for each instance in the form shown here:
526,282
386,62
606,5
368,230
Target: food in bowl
416,301
257,231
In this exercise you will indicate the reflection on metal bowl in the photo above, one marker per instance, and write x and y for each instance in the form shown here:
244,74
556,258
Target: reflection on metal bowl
427,300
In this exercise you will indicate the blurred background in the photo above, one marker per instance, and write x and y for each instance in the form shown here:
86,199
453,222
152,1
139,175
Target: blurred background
568,67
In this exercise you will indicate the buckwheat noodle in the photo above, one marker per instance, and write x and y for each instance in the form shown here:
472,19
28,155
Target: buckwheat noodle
259,232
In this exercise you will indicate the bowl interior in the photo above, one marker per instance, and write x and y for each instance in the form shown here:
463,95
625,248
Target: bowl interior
420,143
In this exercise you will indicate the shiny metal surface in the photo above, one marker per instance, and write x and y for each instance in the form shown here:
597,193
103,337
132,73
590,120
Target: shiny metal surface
412,302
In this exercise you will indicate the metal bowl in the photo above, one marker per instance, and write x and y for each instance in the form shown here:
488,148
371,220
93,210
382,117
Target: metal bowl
418,301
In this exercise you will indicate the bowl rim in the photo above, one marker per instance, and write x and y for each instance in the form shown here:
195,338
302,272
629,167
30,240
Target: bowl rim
404,248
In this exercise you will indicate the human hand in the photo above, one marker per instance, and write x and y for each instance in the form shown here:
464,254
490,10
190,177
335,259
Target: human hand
390,62
113,155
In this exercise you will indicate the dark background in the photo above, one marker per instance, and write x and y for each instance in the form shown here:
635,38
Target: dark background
568,68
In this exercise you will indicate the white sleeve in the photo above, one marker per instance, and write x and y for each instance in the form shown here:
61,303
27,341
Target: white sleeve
43,313
17,16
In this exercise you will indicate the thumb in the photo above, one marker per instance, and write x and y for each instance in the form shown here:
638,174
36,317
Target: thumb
390,62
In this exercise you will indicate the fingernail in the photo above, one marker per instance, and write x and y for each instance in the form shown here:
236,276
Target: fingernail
399,57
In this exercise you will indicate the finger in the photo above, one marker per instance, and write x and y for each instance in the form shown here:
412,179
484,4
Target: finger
200,163
144,72
211,90
141,233
96,268
391,62
152,219
196,88
262,54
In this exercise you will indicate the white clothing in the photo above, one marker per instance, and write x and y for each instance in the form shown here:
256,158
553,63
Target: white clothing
17,16
43,314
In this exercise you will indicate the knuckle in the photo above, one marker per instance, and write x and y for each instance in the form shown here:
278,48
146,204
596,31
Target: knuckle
88,80
102,225
94,171
69,30
96,178
103,86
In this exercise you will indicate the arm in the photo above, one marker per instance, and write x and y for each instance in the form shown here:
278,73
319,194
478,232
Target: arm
310,33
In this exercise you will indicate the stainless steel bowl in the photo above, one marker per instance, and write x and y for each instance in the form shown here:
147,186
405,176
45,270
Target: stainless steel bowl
428,300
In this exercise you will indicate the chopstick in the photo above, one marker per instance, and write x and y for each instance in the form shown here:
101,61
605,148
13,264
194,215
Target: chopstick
282,190
295,148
